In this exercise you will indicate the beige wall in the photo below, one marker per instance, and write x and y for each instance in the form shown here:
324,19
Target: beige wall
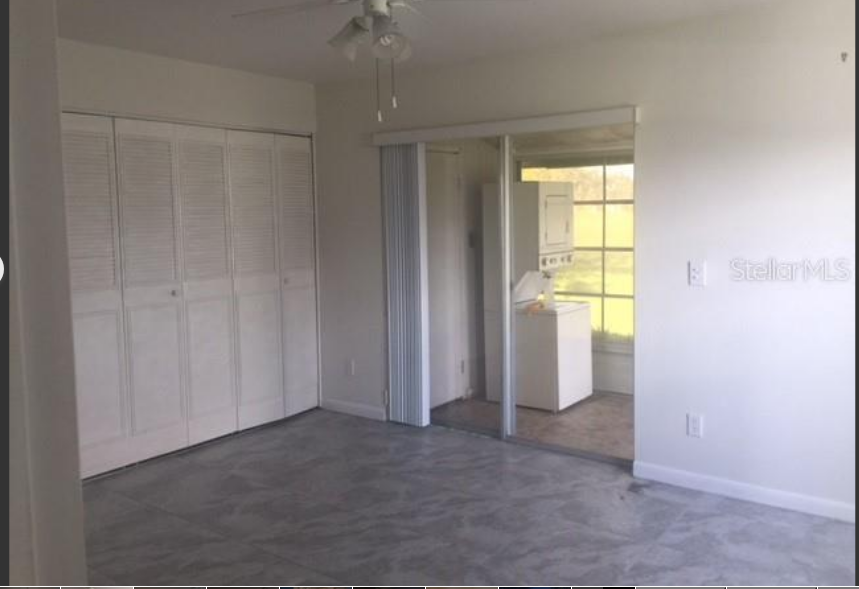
102,79
745,149
46,516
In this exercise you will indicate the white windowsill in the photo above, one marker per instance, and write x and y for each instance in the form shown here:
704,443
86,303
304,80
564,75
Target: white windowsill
612,347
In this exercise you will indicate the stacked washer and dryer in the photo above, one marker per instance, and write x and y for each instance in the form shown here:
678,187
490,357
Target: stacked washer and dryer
552,350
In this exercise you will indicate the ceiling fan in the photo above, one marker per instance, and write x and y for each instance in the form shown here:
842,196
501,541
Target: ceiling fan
376,22
375,25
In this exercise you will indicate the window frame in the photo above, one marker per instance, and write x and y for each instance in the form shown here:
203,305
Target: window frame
602,340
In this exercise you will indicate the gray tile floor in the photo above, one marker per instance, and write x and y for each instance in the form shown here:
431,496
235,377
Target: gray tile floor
327,499
601,424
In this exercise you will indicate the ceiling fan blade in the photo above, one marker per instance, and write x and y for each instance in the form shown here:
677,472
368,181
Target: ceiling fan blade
294,8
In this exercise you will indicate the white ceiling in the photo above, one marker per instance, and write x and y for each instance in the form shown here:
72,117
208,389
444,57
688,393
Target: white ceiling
294,46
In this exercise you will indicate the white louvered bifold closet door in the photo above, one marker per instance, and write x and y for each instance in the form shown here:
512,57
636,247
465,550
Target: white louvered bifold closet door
152,284
99,332
192,263
208,286
256,277
298,271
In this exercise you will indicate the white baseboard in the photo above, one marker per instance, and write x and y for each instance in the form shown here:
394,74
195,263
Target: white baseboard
357,409
748,492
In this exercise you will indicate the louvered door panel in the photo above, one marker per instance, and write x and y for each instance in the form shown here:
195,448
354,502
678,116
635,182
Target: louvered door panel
100,376
148,209
256,278
253,208
297,257
300,349
90,206
153,292
154,340
295,190
207,282
98,322
203,183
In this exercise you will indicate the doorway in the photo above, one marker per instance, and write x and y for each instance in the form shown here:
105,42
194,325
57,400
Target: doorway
529,291
597,164
447,259
456,174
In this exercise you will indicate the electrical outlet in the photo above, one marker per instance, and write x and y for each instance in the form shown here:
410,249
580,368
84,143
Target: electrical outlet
350,367
694,425
697,273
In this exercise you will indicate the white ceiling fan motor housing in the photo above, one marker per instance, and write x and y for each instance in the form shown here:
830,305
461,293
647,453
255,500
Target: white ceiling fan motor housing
377,8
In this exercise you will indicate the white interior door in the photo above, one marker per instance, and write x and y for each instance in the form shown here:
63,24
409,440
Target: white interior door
152,287
446,232
208,288
256,278
99,330
297,259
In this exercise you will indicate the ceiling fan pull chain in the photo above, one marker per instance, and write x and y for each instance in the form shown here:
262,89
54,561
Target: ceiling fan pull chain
378,94
393,86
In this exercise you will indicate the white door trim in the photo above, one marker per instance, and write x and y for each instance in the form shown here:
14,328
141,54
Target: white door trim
559,122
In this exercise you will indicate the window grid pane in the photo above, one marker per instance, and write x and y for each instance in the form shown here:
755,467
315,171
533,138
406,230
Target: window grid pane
588,225
618,269
584,276
618,226
618,321
602,273
619,182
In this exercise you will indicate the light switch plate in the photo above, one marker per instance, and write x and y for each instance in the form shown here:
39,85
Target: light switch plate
694,425
697,273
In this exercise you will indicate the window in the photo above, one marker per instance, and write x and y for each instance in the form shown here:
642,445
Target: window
602,271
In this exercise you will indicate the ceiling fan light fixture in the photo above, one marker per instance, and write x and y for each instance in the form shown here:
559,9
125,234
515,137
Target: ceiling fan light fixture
355,33
377,7
389,42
